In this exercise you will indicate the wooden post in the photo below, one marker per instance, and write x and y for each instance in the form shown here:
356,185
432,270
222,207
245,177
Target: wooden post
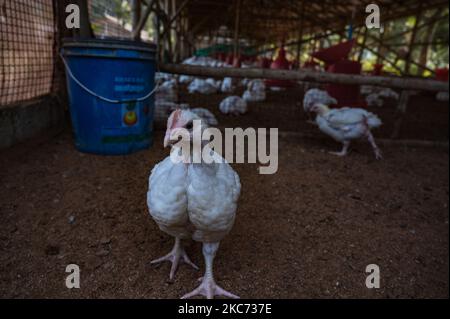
137,30
412,40
361,52
381,49
135,13
168,28
236,27
85,30
300,34
431,31
401,112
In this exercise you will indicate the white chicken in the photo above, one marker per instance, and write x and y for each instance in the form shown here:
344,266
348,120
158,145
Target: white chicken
347,124
442,96
197,201
227,85
164,109
314,96
202,86
206,115
380,95
234,105
167,91
256,91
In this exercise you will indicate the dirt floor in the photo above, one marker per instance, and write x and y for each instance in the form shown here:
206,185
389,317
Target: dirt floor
308,231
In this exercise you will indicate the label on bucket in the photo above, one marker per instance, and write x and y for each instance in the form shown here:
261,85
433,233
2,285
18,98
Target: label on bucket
130,114
129,84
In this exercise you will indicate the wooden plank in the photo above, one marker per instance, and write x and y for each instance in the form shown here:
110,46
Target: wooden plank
308,76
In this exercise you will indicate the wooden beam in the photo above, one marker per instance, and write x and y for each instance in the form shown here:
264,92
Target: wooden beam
412,40
308,76
401,112
300,34
397,56
135,13
236,26
363,44
137,31
174,17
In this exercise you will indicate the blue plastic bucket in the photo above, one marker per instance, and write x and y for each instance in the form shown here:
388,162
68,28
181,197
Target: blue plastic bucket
111,85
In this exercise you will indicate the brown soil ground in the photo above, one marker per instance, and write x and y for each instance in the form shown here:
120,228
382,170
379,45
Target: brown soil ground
308,231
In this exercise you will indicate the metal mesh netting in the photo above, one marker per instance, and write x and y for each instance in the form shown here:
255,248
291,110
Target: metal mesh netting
110,18
27,32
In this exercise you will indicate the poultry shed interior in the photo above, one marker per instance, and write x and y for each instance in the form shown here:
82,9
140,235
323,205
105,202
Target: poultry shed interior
350,98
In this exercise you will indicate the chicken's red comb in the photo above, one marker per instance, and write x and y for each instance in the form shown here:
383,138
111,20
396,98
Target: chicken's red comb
175,118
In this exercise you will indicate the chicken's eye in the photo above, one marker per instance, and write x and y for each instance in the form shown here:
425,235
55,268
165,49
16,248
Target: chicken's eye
189,126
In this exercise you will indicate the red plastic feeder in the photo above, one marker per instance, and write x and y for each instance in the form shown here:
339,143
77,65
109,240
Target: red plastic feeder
335,53
280,63
264,63
237,62
221,57
346,95
377,69
311,64
336,60
441,74
230,59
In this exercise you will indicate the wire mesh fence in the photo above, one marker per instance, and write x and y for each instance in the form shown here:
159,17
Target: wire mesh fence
27,34
110,18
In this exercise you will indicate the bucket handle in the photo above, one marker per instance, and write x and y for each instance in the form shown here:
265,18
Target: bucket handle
102,97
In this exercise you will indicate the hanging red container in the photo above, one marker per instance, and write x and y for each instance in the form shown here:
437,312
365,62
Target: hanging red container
237,62
222,57
280,63
346,95
377,69
230,59
264,63
441,74
335,53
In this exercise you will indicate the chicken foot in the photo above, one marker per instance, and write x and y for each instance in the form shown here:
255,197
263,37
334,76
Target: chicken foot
377,151
208,287
175,256
344,151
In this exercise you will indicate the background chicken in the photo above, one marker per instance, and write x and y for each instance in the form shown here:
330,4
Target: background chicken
195,201
234,105
201,86
316,96
227,85
256,91
347,124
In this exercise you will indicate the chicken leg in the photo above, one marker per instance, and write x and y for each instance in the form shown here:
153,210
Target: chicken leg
174,257
344,149
377,151
208,287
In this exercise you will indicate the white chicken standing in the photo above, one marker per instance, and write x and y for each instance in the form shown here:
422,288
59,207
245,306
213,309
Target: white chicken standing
197,201
347,124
